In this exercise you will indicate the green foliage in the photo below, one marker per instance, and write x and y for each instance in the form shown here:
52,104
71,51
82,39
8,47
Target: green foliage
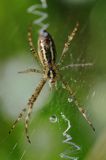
88,45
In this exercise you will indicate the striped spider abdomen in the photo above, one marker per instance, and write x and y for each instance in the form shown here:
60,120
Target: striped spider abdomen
46,49
47,55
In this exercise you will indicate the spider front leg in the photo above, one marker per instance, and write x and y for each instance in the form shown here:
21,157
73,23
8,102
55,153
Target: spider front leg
29,109
67,44
31,70
82,111
18,119
31,103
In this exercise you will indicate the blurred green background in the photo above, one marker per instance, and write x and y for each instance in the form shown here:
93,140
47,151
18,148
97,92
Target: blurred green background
53,114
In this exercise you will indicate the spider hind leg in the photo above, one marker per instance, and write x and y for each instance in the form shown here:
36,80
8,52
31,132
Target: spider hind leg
68,43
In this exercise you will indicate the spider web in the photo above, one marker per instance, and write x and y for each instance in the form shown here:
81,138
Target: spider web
72,149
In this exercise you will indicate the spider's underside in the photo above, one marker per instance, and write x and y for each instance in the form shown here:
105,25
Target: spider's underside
46,57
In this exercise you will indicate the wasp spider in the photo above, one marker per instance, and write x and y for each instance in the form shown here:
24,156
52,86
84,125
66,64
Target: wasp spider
50,70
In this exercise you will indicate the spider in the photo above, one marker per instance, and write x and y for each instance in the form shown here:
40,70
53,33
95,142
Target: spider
50,70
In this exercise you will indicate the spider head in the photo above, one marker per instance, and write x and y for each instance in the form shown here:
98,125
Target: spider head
52,77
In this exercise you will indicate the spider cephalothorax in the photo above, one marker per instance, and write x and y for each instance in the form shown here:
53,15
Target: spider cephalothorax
46,56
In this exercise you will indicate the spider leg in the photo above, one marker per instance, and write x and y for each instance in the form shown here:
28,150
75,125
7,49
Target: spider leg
31,103
67,44
31,45
29,110
31,70
82,111
79,65
17,120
